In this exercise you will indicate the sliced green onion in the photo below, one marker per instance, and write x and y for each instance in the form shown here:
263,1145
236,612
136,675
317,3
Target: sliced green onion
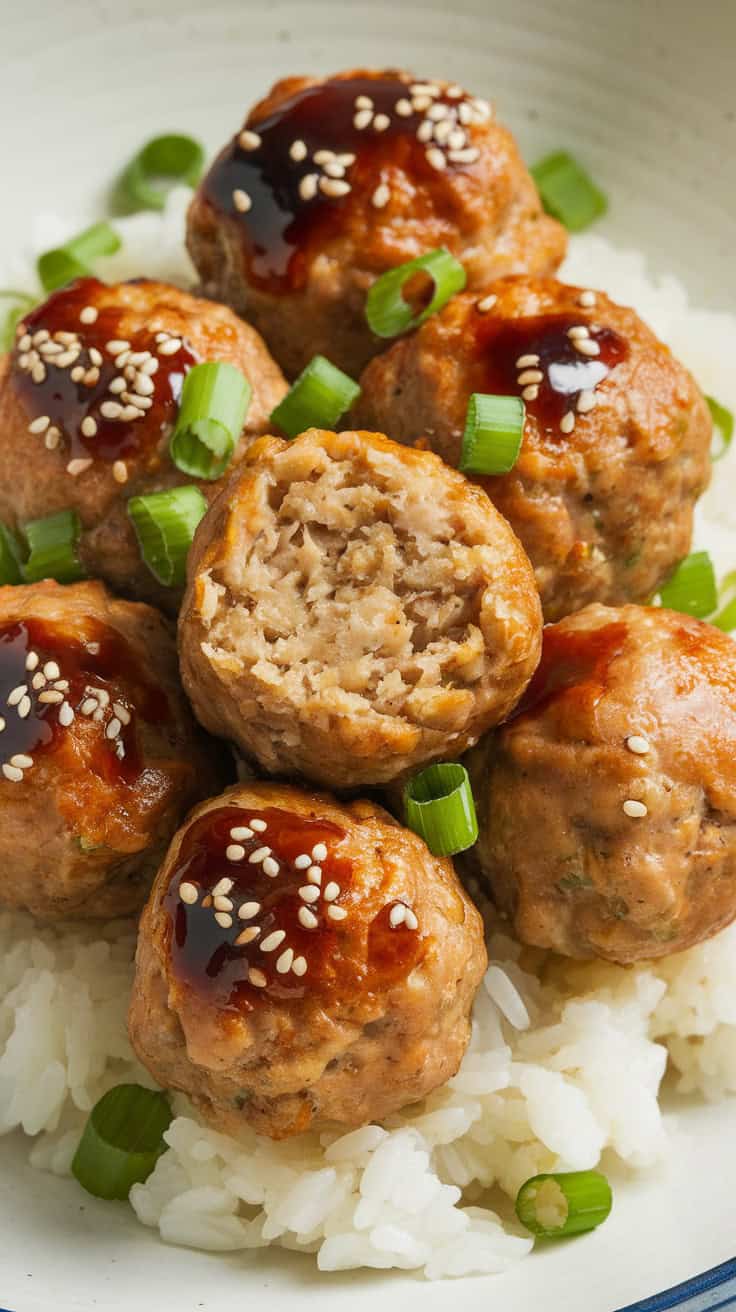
319,397
494,429
122,1140
439,806
692,587
11,557
557,1205
568,191
214,402
726,617
52,548
165,523
175,157
21,302
61,265
723,425
389,313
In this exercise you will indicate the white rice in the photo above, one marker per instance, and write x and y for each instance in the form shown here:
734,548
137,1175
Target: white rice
556,1073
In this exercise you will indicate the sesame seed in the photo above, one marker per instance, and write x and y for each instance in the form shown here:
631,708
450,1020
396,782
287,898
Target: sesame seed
319,852
149,367
247,936
121,360
346,159
443,131
223,919
530,376
234,852
188,892
334,169
88,426
170,347
586,346
2,723
302,861
116,345
425,131
24,707
587,300
381,122
249,140
270,867
38,681
457,139
314,874
578,330
272,941
240,832
298,150
88,706
222,886
337,913
486,304
79,466
77,373
113,728
586,401
13,774
308,893
207,900
403,108
66,715
362,119
51,349
130,413
333,187
332,891
482,108
381,196
67,338
438,111
299,966
259,855
530,393
51,696
39,425
120,471
410,919
396,915
363,102
424,89
91,377
468,156
257,978
95,356
637,744
567,422
17,694
31,660
121,711
241,200
110,410
248,910
222,903
283,963
260,826
117,386
144,385
42,335
635,809
307,918
420,103
21,761
322,157
88,314
308,186
38,373
25,343
525,360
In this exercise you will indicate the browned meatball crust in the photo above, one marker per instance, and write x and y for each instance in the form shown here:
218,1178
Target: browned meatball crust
302,962
88,399
616,440
333,181
99,755
607,805
354,609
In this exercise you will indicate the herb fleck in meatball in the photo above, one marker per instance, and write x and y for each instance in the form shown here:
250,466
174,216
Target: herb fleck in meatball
301,962
88,399
607,804
616,440
99,755
354,609
332,182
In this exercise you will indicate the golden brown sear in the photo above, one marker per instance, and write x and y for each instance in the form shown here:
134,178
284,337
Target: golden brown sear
88,398
607,804
355,609
302,962
331,182
616,439
99,755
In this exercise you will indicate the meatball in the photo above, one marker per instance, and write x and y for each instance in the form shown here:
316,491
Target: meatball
302,962
334,181
99,755
616,440
607,805
354,608
72,436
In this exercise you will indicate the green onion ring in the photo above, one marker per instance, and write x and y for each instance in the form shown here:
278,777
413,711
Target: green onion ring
122,1140
386,310
691,589
318,399
723,428
63,264
568,192
494,431
560,1204
165,524
52,548
214,401
439,806
174,156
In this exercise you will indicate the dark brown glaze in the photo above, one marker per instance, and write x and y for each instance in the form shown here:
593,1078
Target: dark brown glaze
102,664
68,401
282,230
575,663
567,373
204,953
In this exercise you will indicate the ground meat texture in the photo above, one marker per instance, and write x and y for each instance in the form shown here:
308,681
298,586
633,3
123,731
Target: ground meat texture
616,439
302,963
332,182
354,609
607,804
88,398
99,755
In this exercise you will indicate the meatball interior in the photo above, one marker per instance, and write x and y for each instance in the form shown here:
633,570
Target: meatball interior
331,182
608,802
354,608
300,962
88,399
617,435
99,755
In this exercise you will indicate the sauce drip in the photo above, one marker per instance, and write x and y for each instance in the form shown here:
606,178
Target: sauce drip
70,400
568,374
284,225
329,954
574,664
100,669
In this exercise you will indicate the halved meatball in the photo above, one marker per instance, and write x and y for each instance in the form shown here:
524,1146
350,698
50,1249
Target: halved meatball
302,962
354,609
88,399
333,181
607,804
616,440
99,755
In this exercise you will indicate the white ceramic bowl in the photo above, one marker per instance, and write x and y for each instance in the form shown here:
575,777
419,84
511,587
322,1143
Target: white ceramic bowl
642,91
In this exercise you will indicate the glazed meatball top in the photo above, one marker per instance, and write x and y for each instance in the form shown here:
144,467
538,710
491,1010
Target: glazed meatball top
297,900
97,373
375,161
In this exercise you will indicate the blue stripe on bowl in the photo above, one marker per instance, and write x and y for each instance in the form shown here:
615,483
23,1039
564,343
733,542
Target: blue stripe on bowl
707,1293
